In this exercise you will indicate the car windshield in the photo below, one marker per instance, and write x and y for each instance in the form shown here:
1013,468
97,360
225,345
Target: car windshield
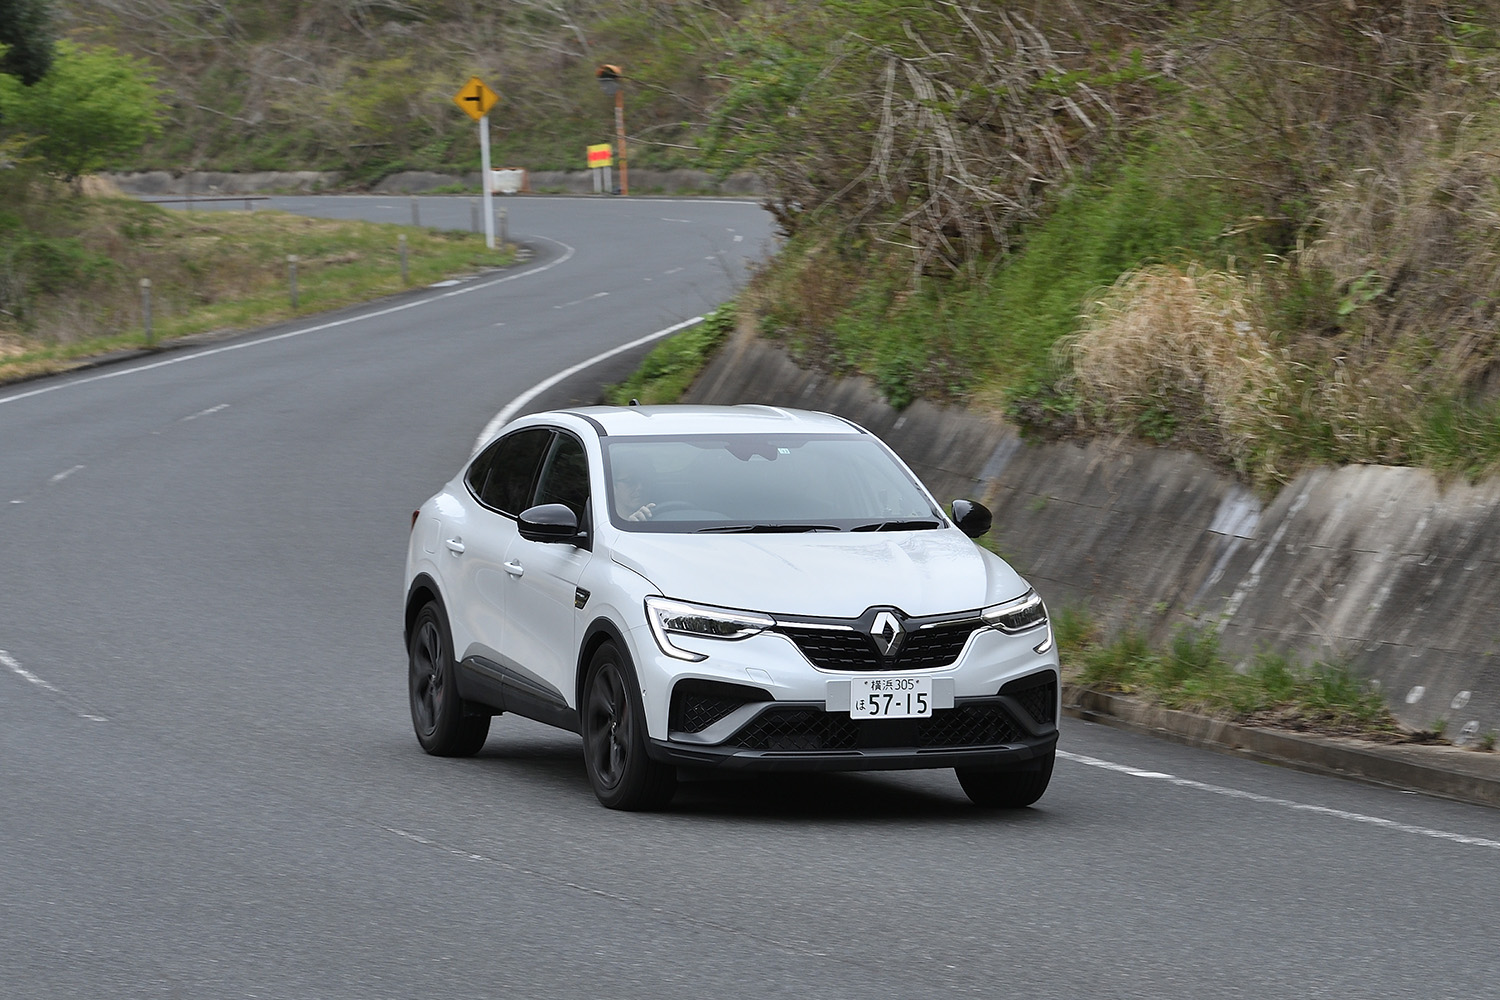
781,483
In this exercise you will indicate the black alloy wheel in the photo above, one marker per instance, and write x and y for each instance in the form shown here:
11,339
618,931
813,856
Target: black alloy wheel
444,726
1012,788
614,738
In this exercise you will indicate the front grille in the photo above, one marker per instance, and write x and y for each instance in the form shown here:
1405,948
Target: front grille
696,712
974,724
1038,695
698,704
798,729
921,649
971,724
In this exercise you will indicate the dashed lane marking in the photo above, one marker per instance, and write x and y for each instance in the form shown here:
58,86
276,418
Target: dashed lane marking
204,413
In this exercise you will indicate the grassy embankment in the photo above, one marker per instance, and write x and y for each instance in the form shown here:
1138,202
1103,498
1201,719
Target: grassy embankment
74,266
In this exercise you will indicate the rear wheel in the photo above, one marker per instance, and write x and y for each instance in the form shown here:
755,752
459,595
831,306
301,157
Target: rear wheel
614,738
438,714
1012,788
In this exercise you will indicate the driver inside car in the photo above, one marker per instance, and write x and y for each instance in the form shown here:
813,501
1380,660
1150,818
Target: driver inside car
630,495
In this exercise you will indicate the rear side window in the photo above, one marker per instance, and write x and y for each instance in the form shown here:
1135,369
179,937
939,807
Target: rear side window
503,474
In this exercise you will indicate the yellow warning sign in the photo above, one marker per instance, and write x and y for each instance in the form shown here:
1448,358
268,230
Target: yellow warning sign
475,99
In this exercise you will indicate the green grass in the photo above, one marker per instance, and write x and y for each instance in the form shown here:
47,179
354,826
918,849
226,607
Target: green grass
209,271
1460,438
672,365
1191,673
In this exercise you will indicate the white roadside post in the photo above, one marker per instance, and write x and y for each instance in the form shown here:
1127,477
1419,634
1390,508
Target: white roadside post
488,181
475,100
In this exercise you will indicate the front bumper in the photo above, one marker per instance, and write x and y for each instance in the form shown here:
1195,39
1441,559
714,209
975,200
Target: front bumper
1004,731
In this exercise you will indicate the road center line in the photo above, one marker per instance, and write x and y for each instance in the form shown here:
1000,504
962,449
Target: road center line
31,678
1235,793
65,474
204,413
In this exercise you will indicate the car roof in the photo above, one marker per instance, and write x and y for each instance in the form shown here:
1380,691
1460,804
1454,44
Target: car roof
681,419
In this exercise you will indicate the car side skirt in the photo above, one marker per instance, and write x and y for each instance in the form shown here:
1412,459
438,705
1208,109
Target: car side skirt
487,684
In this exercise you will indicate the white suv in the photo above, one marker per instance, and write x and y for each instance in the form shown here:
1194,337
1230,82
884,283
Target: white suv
739,587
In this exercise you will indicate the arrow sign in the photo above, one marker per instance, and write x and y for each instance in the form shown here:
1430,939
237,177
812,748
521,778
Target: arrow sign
475,99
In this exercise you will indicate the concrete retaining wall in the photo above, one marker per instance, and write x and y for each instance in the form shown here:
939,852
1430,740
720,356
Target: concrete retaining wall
160,183
1382,567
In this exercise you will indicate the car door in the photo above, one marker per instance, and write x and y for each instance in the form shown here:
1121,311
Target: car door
540,643
499,485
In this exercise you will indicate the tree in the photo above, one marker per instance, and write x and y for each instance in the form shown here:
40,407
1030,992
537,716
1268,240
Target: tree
94,106
25,39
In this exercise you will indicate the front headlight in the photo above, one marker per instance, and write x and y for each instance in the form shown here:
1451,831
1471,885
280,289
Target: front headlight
668,618
1021,615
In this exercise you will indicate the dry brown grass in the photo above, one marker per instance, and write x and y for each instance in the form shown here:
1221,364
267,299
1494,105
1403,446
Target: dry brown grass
1412,240
1189,342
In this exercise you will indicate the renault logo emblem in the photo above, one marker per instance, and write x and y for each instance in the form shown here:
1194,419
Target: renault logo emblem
887,633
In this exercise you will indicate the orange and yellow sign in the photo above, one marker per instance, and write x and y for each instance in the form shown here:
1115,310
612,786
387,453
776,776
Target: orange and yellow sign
601,155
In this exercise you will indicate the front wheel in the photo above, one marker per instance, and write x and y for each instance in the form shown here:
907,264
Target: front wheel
614,738
437,712
1013,788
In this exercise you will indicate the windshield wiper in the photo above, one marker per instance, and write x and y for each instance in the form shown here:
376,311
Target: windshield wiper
910,525
747,529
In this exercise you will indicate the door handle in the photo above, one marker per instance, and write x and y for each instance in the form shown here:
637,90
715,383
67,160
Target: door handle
513,567
455,545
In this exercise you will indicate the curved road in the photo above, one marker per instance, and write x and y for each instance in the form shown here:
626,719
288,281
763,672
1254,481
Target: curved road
209,787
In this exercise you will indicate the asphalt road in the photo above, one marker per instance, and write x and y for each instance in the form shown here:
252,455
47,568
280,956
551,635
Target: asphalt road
209,786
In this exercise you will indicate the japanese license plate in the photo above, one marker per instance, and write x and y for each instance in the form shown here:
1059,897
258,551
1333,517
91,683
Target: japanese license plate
891,698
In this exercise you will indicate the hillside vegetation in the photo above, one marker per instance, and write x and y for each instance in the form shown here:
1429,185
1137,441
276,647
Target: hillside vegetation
1268,230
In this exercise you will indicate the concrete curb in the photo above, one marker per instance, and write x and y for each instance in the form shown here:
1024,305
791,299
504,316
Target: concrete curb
1445,771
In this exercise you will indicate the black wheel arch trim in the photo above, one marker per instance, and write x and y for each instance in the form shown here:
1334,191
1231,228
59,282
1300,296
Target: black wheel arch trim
598,632
421,584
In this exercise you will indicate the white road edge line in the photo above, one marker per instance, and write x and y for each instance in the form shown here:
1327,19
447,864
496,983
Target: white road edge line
26,675
569,251
503,417
1235,793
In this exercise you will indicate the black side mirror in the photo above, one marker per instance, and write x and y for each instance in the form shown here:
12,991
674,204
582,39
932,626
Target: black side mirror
548,522
972,517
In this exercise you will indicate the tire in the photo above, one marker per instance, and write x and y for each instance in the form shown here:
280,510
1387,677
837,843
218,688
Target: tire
614,738
443,725
1013,788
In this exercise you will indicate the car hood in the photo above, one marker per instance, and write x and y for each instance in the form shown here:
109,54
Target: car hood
837,575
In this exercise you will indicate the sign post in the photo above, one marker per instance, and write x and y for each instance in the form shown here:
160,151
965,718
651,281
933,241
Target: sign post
599,162
475,100
610,78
